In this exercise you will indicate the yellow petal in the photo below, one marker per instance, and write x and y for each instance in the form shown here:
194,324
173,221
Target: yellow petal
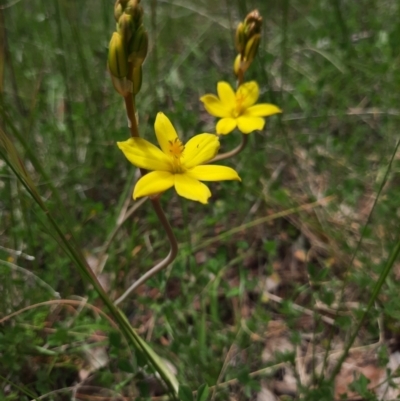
226,94
200,149
145,155
248,93
262,110
153,183
225,126
214,106
250,124
191,188
213,173
165,132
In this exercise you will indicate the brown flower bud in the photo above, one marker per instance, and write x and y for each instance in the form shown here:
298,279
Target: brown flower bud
247,40
253,23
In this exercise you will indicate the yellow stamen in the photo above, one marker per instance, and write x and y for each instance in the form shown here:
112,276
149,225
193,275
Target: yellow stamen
237,111
176,148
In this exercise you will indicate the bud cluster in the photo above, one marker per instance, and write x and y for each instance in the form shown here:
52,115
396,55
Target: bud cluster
247,40
128,47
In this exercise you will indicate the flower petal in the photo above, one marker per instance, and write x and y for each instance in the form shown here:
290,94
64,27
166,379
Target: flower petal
213,173
248,93
200,149
214,106
153,183
262,110
225,125
250,124
226,95
145,155
165,132
191,188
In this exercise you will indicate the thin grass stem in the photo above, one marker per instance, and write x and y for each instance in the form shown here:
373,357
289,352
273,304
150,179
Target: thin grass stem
64,72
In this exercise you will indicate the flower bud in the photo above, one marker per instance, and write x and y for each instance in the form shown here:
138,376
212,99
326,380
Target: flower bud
236,64
251,48
126,27
119,8
240,38
118,11
135,10
118,65
117,58
137,50
128,47
247,40
136,80
253,23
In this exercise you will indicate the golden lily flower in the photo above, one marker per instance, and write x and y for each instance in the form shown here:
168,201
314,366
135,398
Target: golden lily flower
175,165
238,109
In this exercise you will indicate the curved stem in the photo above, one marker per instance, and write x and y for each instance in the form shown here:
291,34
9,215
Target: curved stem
232,152
165,262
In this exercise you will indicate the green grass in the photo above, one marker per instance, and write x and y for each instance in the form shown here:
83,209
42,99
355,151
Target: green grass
332,66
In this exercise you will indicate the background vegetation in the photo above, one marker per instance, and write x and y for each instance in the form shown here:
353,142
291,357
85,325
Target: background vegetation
274,274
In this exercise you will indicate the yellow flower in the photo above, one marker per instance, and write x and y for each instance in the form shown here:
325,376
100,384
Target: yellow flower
238,109
175,165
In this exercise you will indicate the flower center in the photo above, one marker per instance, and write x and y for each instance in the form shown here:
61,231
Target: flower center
176,149
238,110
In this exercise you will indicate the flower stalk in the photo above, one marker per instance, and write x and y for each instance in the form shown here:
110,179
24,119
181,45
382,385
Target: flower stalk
131,114
238,109
233,152
130,106
127,52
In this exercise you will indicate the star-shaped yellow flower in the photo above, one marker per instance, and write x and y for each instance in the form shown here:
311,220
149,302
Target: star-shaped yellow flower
238,109
175,165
